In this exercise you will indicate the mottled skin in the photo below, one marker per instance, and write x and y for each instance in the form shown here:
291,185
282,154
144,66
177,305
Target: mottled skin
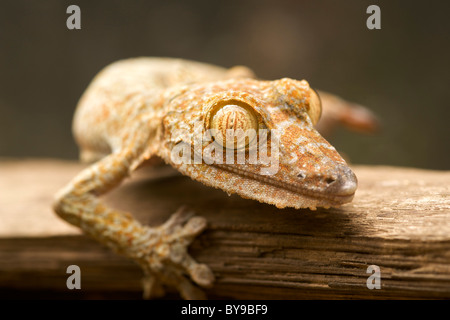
135,109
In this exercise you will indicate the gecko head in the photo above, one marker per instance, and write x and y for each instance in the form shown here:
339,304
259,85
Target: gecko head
257,139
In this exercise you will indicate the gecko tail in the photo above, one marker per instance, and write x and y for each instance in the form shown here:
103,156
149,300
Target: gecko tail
339,112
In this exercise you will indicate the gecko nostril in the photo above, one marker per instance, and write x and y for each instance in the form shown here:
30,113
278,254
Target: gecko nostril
330,180
301,175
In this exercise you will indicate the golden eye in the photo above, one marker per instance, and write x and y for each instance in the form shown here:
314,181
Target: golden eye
236,127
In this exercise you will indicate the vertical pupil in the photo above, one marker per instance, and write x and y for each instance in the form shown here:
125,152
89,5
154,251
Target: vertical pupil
232,120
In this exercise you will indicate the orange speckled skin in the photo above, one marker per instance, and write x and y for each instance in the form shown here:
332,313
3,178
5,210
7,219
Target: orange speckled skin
135,109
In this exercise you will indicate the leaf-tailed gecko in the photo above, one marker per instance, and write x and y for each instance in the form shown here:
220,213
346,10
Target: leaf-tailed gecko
141,108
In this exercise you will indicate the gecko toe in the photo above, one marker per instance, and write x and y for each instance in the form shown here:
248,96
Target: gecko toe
202,275
199,272
189,291
182,215
194,226
152,287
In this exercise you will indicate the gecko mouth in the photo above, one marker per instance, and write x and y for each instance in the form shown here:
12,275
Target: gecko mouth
334,198
340,191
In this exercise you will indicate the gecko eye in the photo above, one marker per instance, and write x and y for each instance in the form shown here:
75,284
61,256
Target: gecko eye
235,126
315,107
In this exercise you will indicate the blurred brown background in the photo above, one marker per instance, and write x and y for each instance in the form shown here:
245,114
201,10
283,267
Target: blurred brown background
401,71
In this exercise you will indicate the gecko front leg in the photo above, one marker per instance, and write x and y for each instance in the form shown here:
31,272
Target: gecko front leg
161,251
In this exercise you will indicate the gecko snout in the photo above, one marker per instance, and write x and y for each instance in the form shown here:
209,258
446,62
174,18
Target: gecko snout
341,181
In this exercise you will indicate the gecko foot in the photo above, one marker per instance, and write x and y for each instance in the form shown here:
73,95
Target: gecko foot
165,260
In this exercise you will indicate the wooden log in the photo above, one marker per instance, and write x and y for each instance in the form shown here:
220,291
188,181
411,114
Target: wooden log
398,221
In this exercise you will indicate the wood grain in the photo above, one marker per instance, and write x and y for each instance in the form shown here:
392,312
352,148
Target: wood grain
399,221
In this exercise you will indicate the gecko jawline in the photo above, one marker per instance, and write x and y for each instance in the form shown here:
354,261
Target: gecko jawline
334,200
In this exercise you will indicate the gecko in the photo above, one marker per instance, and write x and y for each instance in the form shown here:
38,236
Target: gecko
140,109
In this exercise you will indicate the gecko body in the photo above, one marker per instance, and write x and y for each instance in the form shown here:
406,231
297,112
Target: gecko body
138,109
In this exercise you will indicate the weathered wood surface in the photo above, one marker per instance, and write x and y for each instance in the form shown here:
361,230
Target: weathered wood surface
399,221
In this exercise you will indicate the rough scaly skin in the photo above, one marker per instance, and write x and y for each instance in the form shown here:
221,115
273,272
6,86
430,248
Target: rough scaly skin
135,110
